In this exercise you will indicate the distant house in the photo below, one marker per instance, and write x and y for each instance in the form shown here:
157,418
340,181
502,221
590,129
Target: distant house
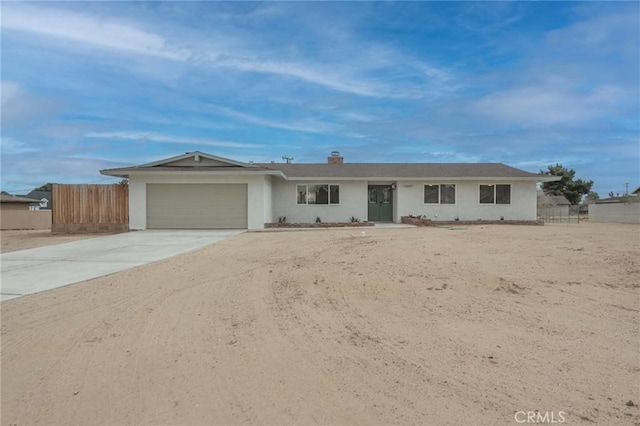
15,213
199,190
552,206
620,209
15,202
44,198
619,200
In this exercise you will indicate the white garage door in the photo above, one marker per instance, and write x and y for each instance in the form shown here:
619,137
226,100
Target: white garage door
196,206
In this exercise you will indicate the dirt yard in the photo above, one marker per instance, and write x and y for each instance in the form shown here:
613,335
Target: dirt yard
399,326
22,240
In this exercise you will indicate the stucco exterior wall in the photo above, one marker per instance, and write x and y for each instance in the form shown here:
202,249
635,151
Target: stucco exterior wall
256,192
353,202
21,207
615,213
268,200
410,196
25,219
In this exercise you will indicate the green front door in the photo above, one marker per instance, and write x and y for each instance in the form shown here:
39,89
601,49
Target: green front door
380,203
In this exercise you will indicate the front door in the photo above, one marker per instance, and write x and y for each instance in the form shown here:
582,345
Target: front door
380,203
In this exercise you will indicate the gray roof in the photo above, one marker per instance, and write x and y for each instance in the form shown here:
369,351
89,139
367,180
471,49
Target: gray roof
622,199
400,170
379,171
39,195
545,200
6,198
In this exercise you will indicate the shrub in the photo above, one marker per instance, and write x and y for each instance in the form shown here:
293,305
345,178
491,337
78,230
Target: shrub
318,220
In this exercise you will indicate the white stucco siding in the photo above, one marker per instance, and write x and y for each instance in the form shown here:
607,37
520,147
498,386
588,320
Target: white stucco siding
353,202
615,213
256,194
410,198
268,199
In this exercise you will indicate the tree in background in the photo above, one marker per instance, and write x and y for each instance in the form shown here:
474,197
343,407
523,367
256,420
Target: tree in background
592,195
45,187
573,189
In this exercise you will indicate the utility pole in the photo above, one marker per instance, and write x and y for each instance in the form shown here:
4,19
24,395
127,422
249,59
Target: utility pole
626,190
287,159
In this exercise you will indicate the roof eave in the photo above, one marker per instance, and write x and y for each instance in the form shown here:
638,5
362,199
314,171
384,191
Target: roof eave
127,173
419,178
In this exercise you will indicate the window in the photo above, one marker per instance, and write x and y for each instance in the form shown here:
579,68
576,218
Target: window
440,194
447,194
431,194
318,194
487,195
495,194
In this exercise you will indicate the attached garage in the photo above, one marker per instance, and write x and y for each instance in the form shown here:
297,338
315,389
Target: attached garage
196,206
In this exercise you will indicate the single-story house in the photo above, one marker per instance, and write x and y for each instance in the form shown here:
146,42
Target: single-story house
15,202
625,209
198,190
44,198
15,214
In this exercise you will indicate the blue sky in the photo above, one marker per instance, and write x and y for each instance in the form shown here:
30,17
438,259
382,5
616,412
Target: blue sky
93,85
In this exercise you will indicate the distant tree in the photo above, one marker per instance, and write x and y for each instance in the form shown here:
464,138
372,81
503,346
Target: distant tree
592,195
124,181
573,189
45,187
611,194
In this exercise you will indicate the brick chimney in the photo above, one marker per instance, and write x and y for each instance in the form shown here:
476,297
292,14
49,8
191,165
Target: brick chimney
335,158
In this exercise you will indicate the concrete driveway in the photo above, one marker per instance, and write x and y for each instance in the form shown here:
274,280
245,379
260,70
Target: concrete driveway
45,268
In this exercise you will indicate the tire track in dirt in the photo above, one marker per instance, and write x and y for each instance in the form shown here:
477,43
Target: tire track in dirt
419,327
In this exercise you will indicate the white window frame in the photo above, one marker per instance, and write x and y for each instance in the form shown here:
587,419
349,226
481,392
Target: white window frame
440,185
495,194
306,194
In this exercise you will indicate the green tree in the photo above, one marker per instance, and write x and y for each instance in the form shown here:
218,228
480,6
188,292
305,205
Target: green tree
573,189
45,187
592,195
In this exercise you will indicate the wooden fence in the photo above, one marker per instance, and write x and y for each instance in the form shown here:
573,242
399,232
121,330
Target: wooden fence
90,208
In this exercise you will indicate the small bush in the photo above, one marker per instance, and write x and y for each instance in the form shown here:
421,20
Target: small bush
318,220
354,219
282,219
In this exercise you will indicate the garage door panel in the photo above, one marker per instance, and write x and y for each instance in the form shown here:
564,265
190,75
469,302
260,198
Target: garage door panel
196,206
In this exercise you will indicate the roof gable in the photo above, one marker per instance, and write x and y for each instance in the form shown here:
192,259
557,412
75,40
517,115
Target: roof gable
546,200
196,159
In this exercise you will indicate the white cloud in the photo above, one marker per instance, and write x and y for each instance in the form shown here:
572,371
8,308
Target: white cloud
19,105
12,146
549,104
599,32
84,29
9,90
310,126
159,138
311,74
232,51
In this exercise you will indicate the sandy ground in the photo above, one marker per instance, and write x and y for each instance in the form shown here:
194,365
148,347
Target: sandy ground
22,240
400,326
